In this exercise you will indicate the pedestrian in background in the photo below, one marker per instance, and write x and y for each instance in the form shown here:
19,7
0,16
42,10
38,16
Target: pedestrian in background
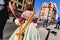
58,22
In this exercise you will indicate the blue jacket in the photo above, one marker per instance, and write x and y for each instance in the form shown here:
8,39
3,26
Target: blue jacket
58,20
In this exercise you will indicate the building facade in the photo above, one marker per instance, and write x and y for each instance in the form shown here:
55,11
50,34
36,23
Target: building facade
48,11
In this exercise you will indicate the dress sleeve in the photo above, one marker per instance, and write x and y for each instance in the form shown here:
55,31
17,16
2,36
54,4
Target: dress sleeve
21,19
26,14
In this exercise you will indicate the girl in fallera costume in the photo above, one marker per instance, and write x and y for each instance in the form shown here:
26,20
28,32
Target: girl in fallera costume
31,31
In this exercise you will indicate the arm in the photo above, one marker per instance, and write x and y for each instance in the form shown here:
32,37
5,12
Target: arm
12,9
18,21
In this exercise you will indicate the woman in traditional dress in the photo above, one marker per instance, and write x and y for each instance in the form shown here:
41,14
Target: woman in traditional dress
31,32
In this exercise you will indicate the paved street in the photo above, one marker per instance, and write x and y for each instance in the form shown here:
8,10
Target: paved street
10,28
44,32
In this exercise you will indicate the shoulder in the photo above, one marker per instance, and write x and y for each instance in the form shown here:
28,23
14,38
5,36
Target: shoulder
27,11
